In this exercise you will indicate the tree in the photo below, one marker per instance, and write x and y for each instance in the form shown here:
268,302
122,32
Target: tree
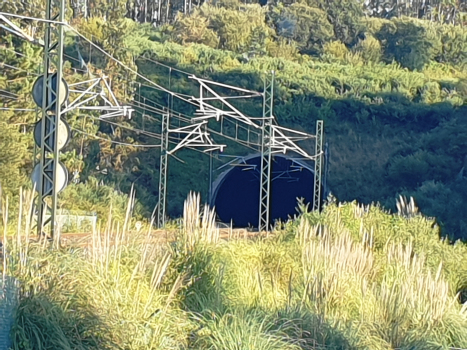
406,42
345,17
194,28
308,26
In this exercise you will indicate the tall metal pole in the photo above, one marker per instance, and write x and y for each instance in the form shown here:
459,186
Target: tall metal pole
210,178
52,96
266,157
163,169
318,165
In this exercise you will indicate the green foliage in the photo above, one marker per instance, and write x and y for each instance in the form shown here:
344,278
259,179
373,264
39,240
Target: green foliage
242,330
96,197
406,42
369,49
194,28
281,48
110,10
331,62
236,30
13,155
453,44
350,277
345,16
308,26
82,298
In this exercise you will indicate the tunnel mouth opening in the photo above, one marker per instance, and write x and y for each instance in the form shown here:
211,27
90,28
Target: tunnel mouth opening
236,191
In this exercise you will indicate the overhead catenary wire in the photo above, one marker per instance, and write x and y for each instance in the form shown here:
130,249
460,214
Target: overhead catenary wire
164,65
8,14
113,141
152,84
159,87
185,115
17,109
176,115
17,68
11,50
139,131
148,134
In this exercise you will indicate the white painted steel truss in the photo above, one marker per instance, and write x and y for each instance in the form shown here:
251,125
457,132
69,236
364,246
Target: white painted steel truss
97,90
195,136
274,139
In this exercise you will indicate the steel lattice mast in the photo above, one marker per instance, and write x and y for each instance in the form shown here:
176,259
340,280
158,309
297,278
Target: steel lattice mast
266,154
163,170
52,96
318,165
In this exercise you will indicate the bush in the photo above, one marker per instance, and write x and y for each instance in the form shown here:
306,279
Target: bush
453,44
369,49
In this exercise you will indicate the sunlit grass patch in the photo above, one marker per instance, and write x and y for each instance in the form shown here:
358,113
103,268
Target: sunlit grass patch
350,277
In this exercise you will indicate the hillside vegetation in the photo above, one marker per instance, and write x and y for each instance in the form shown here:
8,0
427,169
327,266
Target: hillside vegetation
390,86
352,277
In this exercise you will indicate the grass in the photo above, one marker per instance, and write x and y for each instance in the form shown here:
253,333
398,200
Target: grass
351,277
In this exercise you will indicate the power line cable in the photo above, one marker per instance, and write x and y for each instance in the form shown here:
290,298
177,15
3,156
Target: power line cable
17,68
17,109
179,115
152,84
113,141
7,14
211,131
11,50
164,65
174,114
161,88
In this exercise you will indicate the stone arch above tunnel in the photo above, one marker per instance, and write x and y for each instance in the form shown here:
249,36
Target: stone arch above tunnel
236,191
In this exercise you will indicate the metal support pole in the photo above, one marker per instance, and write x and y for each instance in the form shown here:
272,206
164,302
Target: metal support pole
210,179
325,170
38,112
163,169
266,155
318,165
51,111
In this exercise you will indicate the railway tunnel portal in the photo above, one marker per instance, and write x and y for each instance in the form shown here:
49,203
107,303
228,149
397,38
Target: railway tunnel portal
235,193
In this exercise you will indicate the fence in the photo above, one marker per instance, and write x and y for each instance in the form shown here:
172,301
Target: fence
76,221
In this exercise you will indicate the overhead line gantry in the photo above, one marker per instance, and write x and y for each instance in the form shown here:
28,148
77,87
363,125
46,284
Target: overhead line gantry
272,138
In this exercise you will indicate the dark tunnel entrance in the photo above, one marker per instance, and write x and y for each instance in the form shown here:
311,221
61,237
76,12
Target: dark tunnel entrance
236,191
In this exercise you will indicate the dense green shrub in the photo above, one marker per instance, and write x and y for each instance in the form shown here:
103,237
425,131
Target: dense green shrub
307,26
406,42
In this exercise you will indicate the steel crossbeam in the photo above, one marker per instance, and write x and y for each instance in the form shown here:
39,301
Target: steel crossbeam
208,111
97,89
282,143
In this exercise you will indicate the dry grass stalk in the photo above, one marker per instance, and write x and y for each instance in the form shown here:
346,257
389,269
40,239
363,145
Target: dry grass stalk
198,226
